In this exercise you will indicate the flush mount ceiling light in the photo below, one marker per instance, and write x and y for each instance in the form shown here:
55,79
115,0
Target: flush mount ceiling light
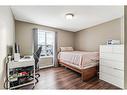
69,16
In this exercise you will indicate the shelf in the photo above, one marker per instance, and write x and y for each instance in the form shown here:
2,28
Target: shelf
22,76
32,82
10,80
26,65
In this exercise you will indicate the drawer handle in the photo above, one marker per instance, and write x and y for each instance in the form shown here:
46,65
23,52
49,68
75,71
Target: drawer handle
117,69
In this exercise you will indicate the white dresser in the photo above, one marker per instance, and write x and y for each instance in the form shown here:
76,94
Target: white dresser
111,68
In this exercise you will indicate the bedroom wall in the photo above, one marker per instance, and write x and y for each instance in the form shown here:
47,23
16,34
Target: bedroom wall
89,39
7,38
24,36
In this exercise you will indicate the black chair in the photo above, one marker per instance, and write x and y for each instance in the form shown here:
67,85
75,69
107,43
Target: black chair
36,56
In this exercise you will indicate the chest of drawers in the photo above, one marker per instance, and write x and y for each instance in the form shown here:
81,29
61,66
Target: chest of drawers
111,67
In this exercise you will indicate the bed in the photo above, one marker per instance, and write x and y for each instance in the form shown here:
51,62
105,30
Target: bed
85,63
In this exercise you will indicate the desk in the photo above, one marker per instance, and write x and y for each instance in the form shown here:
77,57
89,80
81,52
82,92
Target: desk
23,62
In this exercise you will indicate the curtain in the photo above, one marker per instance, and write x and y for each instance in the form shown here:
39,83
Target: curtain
35,39
55,50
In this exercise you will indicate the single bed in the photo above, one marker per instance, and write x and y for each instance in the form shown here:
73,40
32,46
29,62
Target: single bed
85,63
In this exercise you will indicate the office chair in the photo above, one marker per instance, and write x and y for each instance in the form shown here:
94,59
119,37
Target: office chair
36,56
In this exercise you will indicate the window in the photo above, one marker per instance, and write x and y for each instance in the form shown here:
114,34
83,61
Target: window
46,40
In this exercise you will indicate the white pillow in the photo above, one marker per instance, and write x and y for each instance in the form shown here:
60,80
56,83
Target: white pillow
63,49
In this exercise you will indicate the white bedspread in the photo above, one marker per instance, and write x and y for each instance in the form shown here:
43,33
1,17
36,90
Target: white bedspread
79,58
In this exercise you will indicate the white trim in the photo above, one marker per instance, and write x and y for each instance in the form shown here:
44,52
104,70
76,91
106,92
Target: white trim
46,66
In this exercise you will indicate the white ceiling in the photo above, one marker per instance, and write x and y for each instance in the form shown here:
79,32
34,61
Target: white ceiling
54,16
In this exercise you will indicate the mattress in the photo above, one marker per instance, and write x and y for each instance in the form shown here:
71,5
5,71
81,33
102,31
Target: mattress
79,59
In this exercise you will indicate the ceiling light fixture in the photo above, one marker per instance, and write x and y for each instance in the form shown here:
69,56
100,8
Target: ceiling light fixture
69,16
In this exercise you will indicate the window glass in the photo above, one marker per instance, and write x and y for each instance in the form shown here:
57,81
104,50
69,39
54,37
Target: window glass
41,38
46,40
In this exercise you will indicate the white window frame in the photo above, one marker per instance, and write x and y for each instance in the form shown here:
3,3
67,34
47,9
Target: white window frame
45,44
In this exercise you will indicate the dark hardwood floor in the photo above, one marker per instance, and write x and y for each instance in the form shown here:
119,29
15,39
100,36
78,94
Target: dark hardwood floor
62,78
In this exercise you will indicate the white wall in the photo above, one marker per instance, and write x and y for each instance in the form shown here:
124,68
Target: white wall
7,37
125,47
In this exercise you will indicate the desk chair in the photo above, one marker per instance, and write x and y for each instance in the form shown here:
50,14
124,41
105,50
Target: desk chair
36,56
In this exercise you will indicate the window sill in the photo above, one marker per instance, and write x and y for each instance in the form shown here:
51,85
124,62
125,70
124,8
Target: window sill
46,56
